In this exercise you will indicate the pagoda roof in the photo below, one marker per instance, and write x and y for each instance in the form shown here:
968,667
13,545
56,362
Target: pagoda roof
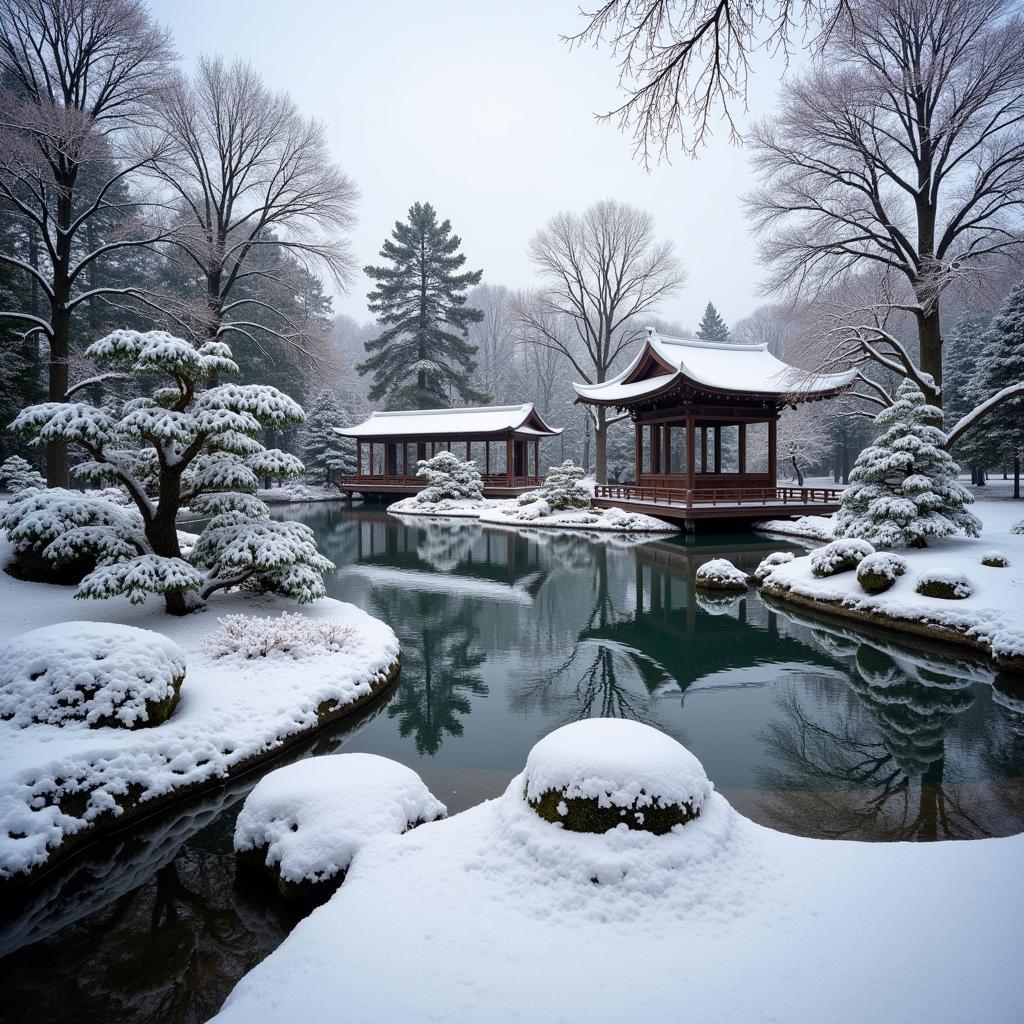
715,367
476,422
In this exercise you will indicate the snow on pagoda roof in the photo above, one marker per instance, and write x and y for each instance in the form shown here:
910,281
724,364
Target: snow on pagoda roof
729,369
481,420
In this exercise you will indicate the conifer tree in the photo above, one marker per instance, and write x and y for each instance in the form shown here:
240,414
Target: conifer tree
422,357
712,326
903,488
325,454
963,387
1001,362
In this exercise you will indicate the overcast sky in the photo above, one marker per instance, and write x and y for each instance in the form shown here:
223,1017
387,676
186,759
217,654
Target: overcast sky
479,108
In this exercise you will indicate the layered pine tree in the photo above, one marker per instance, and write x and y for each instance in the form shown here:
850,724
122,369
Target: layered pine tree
422,359
712,326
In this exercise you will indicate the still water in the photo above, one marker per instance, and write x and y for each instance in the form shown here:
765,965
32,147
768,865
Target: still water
805,725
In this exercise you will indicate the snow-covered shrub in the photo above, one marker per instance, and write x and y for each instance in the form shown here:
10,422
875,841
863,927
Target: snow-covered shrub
945,583
184,444
304,823
903,488
1018,528
44,526
721,574
100,673
527,497
18,474
878,572
995,559
562,488
767,565
601,773
255,636
449,478
839,556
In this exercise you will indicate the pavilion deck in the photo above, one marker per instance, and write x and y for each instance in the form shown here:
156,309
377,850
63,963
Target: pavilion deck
690,504
496,485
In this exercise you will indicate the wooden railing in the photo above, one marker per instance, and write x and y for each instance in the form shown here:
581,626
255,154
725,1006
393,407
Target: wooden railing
719,495
371,480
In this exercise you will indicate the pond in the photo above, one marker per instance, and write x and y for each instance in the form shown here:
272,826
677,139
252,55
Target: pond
805,725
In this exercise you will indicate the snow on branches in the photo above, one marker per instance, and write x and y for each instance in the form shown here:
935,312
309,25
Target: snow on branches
903,488
186,442
18,474
563,488
449,478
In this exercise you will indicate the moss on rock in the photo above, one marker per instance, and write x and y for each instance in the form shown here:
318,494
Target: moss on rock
578,814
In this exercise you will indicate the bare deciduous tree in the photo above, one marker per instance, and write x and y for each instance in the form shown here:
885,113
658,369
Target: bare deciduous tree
246,173
602,270
906,154
678,62
78,77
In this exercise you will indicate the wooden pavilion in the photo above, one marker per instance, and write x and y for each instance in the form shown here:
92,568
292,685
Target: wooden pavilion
705,416
504,440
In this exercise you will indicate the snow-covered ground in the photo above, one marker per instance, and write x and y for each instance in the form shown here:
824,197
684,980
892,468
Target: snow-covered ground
452,508
58,782
992,618
498,915
814,527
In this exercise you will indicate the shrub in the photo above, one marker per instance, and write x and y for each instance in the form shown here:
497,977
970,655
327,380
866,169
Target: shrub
254,636
767,565
449,478
995,559
839,556
944,583
562,488
878,572
721,574
99,673
18,474
1018,528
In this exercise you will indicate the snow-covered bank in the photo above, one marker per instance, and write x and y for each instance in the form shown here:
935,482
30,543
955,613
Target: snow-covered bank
498,915
814,527
991,619
290,493
62,785
450,508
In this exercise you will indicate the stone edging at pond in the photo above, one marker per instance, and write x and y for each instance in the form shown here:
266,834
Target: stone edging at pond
134,811
929,630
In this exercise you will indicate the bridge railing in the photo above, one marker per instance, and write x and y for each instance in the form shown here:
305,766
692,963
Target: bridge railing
687,496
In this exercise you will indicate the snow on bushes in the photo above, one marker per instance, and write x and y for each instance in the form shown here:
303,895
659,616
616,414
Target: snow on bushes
721,574
878,572
995,559
254,636
903,488
184,444
839,556
449,478
944,583
18,474
1018,529
603,773
304,823
562,489
99,673
767,565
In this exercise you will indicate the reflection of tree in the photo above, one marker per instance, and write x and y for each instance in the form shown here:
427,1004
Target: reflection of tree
440,662
444,543
877,774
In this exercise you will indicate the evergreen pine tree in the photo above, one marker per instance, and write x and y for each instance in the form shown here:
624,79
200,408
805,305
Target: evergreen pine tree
712,326
326,455
903,488
422,357
963,387
1001,362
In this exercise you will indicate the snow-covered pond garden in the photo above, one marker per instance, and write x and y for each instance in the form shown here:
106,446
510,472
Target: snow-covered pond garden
805,725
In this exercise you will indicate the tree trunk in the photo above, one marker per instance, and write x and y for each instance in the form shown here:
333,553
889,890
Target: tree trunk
929,333
797,472
162,534
1016,476
60,323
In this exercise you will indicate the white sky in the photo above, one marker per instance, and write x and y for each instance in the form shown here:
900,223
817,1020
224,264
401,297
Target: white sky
477,107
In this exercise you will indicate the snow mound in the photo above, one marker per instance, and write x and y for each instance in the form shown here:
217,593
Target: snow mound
416,505
540,513
605,773
99,673
305,822
768,564
839,556
878,572
815,527
947,584
721,574
995,559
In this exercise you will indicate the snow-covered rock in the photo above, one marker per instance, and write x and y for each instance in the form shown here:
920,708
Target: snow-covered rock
877,572
768,564
603,773
305,822
99,673
839,556
814,527
947,584
721,574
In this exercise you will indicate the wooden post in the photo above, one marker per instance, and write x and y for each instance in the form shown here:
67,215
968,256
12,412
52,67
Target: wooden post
703,449
773,476
469,451
359,457
487,458
691,453
718,447
508,460
536,458
742,445
372,467
638,430
655,453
